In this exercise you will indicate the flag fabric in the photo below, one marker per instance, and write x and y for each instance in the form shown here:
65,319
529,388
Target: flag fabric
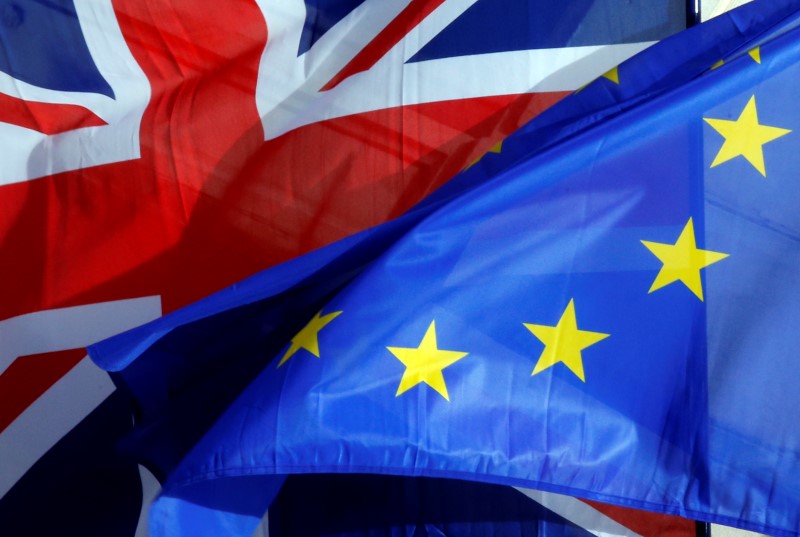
604,309
154,152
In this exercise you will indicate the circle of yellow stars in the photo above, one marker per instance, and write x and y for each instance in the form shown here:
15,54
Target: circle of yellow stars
564,343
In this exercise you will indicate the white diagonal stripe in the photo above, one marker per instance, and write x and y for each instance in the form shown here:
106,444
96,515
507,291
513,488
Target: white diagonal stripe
65,404
579,513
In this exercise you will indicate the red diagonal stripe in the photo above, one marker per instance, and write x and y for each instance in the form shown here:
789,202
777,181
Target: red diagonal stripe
47,118
384,41
28,377
647,524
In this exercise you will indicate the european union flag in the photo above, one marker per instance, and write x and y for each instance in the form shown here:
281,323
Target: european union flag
606,308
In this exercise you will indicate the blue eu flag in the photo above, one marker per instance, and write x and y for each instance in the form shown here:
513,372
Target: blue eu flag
606,308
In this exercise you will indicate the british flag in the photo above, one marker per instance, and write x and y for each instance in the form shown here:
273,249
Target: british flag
155,151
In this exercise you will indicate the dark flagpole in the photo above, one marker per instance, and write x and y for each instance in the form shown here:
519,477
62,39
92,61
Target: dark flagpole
692,12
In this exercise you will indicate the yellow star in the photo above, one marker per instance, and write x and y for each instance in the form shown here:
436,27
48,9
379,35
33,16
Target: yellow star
496,148
564,342
745,137
425,363
754,53
307,337
682,261
612,75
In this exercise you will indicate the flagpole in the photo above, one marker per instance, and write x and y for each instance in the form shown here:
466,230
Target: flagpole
693,12
702,529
